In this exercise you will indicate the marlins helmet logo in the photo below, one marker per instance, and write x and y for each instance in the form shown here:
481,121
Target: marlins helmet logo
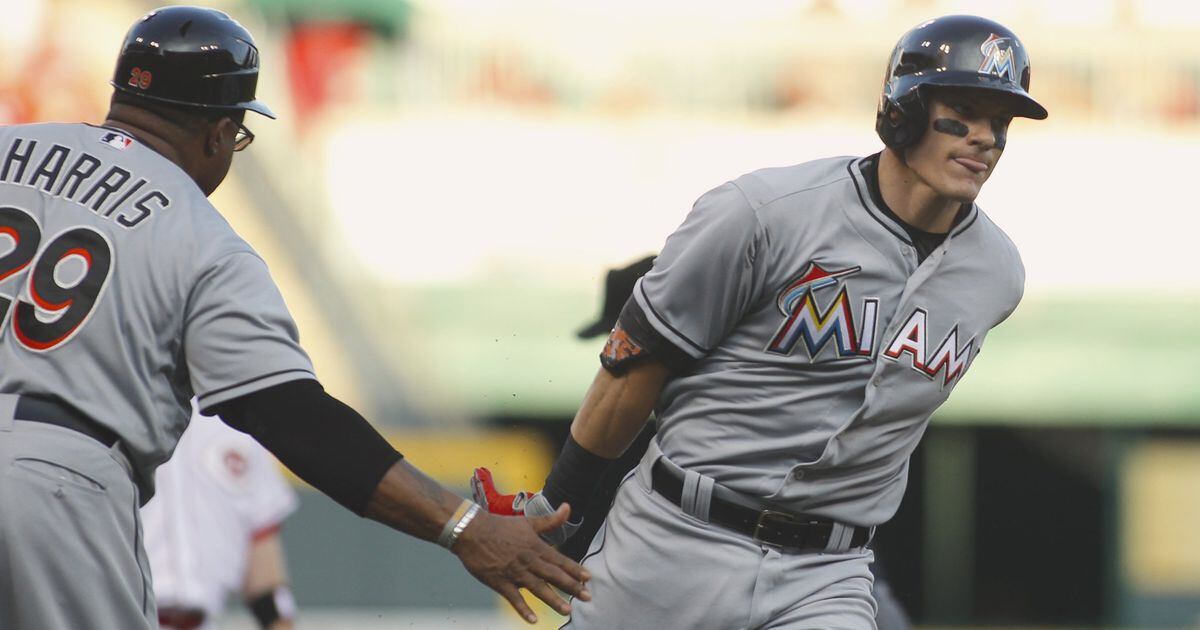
998,57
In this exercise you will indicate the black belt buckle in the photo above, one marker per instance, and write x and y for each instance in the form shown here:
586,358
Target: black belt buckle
766,518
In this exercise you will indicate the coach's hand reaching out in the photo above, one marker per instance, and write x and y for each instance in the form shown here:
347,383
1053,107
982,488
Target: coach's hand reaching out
506,553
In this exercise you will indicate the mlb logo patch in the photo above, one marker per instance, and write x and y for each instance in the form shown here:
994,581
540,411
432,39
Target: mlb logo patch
116,140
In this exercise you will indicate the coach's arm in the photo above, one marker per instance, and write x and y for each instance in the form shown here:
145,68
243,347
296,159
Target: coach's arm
333,448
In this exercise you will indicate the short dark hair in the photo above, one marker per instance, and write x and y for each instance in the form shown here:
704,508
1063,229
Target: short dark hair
185,116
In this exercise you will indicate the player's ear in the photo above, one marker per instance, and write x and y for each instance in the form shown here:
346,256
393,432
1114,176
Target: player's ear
212,139
217,134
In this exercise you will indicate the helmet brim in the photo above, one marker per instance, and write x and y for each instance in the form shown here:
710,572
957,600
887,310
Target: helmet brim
1016,99
260,107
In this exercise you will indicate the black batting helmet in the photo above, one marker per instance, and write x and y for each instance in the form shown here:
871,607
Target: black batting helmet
951,51
190,56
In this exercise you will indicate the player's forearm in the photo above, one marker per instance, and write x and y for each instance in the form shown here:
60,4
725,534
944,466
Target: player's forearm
616,408
266,568
408,500
266,590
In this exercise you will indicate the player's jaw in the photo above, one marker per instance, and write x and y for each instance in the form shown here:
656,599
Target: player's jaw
210,153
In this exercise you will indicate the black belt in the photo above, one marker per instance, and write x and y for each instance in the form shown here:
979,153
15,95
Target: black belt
33,409
781,529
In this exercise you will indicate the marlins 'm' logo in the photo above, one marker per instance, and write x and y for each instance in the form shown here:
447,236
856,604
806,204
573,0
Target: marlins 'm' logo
998,57
806,321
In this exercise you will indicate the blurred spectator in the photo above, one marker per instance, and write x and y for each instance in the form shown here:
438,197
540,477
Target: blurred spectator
1183,101
49,74
322,59
212,530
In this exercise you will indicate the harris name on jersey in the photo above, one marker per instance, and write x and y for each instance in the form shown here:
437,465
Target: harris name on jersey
83,178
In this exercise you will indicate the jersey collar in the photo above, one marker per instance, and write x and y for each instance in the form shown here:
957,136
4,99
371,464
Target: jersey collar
855,168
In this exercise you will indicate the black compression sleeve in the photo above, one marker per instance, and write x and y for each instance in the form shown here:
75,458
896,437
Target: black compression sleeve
315,435
574,477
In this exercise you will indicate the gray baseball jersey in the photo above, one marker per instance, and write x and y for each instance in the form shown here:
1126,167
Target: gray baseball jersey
821,345
123,291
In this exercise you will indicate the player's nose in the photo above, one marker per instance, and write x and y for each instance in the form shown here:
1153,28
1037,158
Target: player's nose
981,134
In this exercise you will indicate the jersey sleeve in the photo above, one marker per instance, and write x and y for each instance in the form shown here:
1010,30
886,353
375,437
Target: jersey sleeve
1016,274
238,335
707,275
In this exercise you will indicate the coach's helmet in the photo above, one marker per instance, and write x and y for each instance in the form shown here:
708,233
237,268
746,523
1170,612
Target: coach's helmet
951,51
190,56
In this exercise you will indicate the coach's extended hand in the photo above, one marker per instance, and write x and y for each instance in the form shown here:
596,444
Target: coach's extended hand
503,552
506,552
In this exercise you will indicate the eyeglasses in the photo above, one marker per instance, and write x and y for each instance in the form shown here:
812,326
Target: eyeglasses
243,138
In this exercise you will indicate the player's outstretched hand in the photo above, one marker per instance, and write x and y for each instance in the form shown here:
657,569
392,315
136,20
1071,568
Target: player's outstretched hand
507,554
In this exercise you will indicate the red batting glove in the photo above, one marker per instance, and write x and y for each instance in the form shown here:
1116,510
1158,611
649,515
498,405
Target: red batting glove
486,495
530,504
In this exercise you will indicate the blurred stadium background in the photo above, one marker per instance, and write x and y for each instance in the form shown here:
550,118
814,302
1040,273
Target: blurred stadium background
449,180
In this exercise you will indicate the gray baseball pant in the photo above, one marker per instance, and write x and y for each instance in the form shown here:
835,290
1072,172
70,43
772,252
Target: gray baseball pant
654,566
71,553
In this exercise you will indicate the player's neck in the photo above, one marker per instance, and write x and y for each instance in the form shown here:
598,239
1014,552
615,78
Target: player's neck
912,199
147,129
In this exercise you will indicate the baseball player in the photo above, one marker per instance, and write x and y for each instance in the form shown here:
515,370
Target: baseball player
212,530
123,293
618,287
793,338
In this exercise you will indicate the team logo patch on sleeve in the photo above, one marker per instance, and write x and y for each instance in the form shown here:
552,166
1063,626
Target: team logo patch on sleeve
118,141
620,349
228,464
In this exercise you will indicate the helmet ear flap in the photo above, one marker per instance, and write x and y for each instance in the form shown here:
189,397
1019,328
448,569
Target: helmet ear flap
901,122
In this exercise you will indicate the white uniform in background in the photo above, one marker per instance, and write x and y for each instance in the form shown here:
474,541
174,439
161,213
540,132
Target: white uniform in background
219,492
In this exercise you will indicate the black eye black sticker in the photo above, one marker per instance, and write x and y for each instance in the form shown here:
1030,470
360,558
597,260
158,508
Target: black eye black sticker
1001,133
950,127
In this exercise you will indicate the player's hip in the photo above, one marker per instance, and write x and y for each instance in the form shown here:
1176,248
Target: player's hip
57,455
655,566
702,499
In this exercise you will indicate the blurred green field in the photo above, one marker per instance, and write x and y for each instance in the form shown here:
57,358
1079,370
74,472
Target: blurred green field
502,349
